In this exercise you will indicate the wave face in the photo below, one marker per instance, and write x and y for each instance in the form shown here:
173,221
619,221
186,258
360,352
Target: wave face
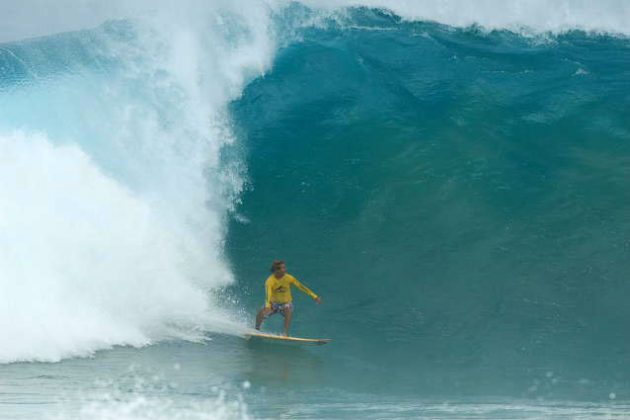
458,197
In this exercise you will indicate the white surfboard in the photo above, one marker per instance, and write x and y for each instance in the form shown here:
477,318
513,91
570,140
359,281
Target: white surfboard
286,340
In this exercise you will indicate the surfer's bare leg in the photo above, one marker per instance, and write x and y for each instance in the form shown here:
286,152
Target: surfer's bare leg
261,316
288,314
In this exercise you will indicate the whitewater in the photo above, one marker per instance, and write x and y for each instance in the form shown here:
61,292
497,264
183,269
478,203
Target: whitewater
155,158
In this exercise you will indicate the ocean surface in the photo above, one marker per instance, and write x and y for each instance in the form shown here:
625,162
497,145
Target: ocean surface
453,179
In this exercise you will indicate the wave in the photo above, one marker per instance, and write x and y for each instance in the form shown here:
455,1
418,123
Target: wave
454,195
123,167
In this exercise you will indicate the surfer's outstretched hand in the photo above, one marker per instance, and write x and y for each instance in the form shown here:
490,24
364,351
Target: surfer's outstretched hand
318,300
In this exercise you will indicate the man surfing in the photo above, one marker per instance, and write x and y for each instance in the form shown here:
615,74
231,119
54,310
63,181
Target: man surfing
278,295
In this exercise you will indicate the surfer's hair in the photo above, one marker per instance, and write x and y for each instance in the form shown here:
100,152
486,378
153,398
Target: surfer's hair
276,265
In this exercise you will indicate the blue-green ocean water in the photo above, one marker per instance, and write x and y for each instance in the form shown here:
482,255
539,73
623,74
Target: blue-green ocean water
457,196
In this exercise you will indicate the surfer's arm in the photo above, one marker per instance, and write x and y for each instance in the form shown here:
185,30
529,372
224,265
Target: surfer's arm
268,290
303,288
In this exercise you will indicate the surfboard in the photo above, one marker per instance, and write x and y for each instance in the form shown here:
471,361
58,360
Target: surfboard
286,340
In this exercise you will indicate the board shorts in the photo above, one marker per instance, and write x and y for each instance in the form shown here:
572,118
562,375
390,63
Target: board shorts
279,308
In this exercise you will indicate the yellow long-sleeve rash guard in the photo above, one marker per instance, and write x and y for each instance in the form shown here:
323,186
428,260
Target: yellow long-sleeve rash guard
279,289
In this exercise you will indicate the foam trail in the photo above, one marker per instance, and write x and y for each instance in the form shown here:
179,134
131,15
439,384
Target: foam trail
113,400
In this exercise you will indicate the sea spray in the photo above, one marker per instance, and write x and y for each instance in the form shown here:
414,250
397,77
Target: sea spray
116,184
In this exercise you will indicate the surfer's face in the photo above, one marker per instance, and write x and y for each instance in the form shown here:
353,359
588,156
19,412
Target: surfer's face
281,270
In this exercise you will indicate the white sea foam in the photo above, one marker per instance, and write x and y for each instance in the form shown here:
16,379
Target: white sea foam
531,16
149,399
112,227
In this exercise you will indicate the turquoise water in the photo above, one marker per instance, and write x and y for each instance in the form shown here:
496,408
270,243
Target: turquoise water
458,198
456,194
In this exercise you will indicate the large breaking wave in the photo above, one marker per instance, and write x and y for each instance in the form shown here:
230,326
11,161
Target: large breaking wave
119,163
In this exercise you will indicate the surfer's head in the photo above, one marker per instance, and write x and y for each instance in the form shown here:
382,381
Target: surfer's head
279,268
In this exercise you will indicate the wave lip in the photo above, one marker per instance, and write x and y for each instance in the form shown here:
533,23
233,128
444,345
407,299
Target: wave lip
28,19
525,17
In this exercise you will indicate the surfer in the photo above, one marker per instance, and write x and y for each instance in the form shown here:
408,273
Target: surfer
278,295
